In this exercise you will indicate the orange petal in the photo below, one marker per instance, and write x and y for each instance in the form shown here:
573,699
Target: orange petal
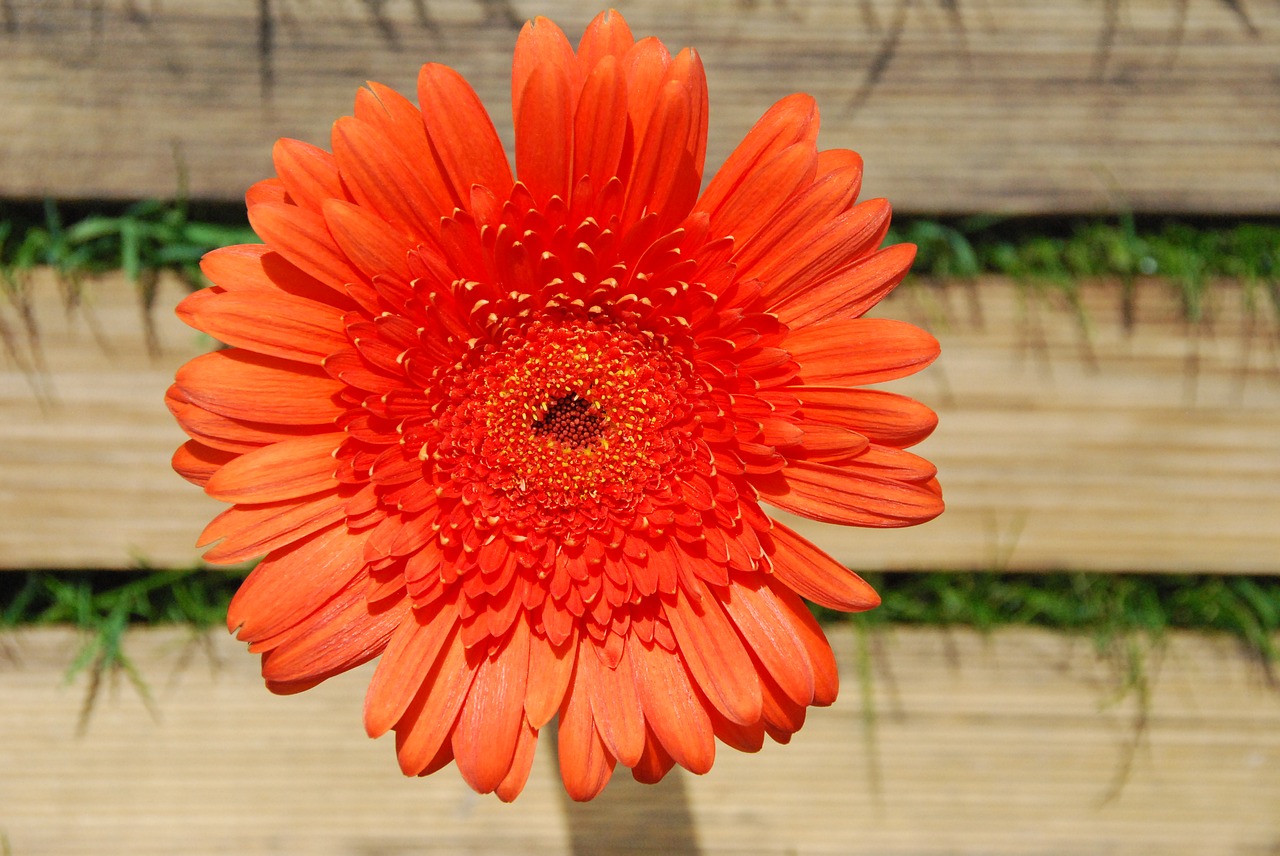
645,68
686,69
399,125
815,576
606,36
372,244
849,292
197,463
423,732
696,79
860,351
521,764
713,651
405,664
799,220
243,385
541,44
744,738
600,125
488,728
342,634
828,443
271,323
550,667
665,178
438,762
382,180
780,715
842,161
302,237
544,133
268,190
258,268
292,468
792,120
779,431
247,531
230,435
310,174
674,712
766,628
585,762
291,583
883,417
848,494
805,257
826,678
654,761
461,133
891,463
614,704
758,199
233,267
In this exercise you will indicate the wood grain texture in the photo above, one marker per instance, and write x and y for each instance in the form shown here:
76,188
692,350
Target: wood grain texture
1008,744
991,106
85,480
1061,446
1067,442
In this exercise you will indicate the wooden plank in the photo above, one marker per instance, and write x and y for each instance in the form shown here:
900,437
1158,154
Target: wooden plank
1059,448
1070,447
84,473
1007,744
999,106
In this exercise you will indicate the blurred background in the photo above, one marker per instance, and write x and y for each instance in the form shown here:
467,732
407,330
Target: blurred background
1077,658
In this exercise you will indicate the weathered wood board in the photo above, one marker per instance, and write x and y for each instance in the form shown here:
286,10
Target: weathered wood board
1077,445
1059,448
994,106
1008,744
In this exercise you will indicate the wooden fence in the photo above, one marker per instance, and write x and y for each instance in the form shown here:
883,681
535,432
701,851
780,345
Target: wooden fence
1068,440
1045,106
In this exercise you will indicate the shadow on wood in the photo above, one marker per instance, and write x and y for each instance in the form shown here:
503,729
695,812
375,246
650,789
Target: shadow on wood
628,817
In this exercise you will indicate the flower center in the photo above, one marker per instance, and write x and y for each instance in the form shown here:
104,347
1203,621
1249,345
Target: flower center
561,415
572,420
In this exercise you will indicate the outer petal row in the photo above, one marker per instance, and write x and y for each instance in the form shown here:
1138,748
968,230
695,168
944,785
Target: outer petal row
615,109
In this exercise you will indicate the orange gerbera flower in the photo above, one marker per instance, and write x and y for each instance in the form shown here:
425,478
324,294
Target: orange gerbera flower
514,435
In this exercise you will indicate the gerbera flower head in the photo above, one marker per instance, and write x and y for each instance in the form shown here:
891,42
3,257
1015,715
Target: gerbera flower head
513,432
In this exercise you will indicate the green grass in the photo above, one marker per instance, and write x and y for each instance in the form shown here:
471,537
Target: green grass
1067,250
110,601
1104,606
1247,607
104,605
141,239
145,238
1191,257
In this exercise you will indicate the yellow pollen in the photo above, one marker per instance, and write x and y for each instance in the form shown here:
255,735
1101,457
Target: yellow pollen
566,410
